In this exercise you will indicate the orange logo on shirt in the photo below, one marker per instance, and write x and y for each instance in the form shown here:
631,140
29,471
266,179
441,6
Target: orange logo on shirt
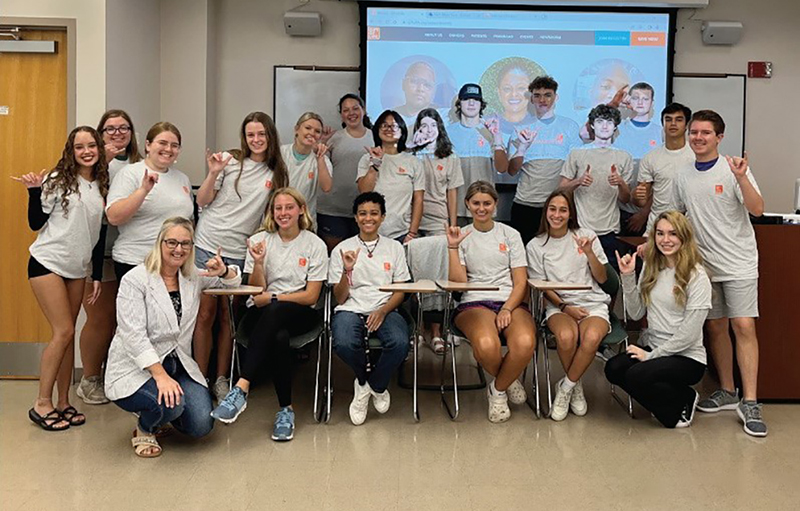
652,143
481,142
268,184
560,138
311,175
401,170
440,167
303,261
718,189
387,266
503,247
186,190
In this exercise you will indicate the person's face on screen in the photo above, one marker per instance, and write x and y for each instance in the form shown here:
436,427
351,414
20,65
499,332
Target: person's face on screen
352,113
255,134
557,213
641,102
675,125
703,139
369,217
389,130
418,86
512,89
543,100
609,81
603,129
308,133
481,207
470,108
429,128
667,240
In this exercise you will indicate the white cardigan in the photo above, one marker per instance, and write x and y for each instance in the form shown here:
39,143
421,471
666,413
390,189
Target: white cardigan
148,330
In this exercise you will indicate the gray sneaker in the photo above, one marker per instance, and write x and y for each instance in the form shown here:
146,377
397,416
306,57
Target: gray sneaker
91,391
229,408
750,413
283,430
719,400
222,386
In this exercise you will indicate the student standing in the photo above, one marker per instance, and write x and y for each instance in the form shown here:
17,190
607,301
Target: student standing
233,198
718,194
66,207
306,161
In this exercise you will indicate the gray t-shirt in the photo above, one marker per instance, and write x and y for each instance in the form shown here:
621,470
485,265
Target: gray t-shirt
399,177
714,204
659,167
345,153
596,204
473,145
489,258
171,196
231,217
441,175
304,176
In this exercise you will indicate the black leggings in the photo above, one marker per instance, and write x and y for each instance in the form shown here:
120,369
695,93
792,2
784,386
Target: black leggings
269,330
662,385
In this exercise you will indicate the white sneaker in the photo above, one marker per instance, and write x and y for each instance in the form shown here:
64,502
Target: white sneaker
360,403
516,393
380,400
221,388
577,403
91,391
498,406
561,402
456,340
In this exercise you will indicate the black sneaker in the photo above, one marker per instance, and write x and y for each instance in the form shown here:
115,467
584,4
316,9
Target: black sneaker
687,415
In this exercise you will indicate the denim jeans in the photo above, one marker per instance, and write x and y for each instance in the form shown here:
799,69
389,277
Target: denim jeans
191,417
349,329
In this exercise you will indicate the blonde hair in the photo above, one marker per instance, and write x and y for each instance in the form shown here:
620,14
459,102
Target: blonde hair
686,260
154,260
481,187
305,222
307,116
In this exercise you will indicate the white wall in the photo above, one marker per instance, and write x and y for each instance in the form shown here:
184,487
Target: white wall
90,57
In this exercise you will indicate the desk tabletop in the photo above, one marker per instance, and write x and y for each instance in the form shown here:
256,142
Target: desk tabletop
449,285
234,291
420,286
546,285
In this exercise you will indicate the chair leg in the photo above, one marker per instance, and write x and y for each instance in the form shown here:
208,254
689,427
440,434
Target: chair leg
234,358
535,384
452,412
328,386
317,415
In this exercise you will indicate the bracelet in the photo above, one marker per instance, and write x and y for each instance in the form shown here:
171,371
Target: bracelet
225,275
506,309
562,306
452,248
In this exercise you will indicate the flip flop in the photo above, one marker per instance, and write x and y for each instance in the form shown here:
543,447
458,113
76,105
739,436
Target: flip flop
73,416
48,421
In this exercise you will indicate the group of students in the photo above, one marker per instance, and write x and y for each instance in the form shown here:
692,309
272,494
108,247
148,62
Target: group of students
126,223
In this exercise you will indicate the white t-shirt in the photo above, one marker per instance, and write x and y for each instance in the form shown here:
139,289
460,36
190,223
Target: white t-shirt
441,175
386,266
230,218
171,196
560,260
714,204
304,176
64,244
489,258
399,177
659,167
596,204
288,266
112,232
345,153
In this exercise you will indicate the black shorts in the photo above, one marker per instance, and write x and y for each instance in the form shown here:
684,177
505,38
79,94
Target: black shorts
336,226
120,269
35,268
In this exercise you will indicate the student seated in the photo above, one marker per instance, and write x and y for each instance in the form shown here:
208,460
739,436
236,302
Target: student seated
675,291
150,370
491,253
359,267
564,252
290,262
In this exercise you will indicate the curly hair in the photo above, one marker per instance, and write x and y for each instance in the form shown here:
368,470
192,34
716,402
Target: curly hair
64,176
605,112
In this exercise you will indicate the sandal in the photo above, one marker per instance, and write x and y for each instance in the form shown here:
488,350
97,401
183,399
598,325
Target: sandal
141,443
48,421
73,416
438,345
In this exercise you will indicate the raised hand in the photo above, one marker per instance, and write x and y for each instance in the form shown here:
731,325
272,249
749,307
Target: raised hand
493,125
375,156
327,133
738,165
215,162
455,235
640,192
621,98
614,179
31,179
586,178
258,251
215,267
584,244
112,152
640,250
320,150
349,258
626,263
149,181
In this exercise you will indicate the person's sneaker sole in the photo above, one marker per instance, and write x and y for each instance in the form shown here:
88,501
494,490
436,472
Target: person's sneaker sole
283,439
716,409
88,401
233,419
750,432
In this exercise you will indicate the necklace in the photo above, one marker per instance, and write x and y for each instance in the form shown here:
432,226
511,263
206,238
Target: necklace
370,251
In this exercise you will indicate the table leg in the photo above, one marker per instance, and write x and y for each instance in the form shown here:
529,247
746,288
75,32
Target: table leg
452,412
417,334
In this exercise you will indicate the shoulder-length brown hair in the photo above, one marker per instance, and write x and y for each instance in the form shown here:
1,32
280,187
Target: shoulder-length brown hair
572,222
273,158
132,151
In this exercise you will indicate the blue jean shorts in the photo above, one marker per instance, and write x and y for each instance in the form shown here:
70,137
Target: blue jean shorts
201,257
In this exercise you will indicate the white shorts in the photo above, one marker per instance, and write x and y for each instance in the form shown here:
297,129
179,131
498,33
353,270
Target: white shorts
734,299
596,310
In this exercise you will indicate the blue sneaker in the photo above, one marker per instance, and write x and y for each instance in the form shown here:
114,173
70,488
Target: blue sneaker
283,430
228,410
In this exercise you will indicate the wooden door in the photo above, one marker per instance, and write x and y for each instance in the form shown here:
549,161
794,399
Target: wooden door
33,130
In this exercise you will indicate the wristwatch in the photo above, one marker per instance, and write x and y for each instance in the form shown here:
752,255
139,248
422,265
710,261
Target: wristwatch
274,298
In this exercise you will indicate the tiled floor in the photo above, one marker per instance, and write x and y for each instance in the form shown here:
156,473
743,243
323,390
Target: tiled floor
602,461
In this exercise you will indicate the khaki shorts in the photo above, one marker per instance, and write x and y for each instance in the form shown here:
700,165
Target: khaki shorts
734,299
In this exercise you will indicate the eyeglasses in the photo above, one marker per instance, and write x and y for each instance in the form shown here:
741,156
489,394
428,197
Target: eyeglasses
390,127
122,130
173,244
164,144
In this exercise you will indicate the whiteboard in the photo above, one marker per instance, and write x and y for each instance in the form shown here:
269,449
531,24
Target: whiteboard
725,94
301,89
